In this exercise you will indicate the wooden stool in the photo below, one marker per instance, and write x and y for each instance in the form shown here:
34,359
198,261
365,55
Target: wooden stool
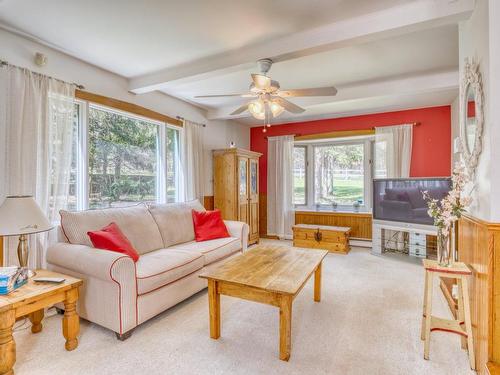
460,272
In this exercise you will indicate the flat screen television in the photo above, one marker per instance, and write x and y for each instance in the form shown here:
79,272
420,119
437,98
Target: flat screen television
400,199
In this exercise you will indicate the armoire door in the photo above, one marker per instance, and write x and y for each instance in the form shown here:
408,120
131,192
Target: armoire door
254,200
243,210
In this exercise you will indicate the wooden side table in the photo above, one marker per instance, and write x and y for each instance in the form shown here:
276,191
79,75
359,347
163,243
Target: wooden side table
462,325
30,300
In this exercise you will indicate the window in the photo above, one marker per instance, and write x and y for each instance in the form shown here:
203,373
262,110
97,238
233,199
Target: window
340,173
299,175
119,159
122,157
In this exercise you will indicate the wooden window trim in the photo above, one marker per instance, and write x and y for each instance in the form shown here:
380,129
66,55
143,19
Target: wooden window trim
126,107
335,134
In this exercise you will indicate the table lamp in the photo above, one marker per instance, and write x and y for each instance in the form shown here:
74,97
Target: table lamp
19,216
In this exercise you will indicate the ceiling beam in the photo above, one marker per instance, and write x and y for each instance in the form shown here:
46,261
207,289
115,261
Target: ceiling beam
398,20
423,83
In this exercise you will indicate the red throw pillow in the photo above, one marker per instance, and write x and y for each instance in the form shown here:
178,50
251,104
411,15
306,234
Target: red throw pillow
208,225
112,238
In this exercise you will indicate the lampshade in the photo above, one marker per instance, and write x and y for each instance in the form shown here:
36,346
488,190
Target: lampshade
22,215
257,109
276,109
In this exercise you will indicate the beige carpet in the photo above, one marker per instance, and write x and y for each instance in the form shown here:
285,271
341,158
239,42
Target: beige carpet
367,323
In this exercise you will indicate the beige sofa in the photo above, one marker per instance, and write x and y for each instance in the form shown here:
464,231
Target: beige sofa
119,294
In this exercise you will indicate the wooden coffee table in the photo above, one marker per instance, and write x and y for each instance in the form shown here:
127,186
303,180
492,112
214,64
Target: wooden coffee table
30,300
267,274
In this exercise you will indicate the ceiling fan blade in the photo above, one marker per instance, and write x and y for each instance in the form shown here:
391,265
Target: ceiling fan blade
289,106
261,82
318,91
219,96
241,109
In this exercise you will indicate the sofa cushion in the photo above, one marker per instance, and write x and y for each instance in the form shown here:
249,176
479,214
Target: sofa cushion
175,221
162,267
213,250
112,238
135,222
208,225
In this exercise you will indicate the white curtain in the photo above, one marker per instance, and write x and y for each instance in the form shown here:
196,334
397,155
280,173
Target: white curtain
280,209
392,160
36,146
192,165
393,151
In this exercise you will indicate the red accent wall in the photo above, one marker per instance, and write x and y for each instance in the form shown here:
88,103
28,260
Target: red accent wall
431,149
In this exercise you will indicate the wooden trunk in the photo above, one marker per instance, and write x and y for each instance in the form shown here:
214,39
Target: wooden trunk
333,239
236,187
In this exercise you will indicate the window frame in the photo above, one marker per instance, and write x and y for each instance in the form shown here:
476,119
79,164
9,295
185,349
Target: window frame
82,188
368,148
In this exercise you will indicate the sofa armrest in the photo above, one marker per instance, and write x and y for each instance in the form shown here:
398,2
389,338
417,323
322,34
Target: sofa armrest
109,294
102,264
238,229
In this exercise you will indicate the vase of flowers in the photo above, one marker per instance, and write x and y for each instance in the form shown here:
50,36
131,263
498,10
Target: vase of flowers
447,211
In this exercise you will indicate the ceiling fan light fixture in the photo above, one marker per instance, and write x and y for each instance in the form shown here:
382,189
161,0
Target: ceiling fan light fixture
259,116
276,109
257,108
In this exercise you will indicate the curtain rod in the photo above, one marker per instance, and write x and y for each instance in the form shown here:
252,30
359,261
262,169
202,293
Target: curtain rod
298,135
416,123
6,63
182,119
271,136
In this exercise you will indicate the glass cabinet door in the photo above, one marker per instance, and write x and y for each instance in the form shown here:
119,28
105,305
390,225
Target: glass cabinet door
253,177
242,176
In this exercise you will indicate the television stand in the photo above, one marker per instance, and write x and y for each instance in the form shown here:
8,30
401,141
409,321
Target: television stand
417,232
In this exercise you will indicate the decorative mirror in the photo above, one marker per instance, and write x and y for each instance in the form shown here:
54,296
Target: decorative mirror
471,115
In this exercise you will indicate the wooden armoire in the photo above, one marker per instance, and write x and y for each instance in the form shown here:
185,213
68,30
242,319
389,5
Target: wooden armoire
236,187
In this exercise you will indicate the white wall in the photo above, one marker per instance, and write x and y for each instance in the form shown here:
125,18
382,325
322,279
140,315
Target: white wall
20,51
494,110
219,134
474,43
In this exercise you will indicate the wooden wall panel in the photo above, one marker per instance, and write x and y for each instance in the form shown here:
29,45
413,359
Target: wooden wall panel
360,223
263,215
208,202
1,251
479,248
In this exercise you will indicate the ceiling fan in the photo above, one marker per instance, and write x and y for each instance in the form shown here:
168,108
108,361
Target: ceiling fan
267,97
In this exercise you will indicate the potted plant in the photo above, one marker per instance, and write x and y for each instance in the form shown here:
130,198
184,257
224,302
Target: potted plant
447,211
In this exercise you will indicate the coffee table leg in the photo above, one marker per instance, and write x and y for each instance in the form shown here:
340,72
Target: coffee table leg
7,343
285,327
71,320
317,284
214,309
36,320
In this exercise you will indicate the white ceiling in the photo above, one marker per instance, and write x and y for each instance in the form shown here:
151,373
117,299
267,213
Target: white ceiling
137,37
428,50
381,55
